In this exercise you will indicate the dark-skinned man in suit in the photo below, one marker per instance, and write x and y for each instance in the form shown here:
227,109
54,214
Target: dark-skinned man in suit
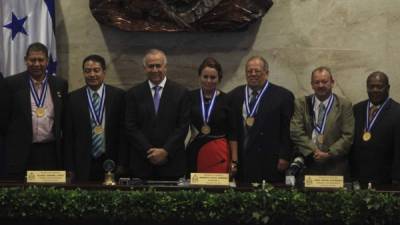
375,152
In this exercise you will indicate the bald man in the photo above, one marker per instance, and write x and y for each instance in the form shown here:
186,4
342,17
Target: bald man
375,153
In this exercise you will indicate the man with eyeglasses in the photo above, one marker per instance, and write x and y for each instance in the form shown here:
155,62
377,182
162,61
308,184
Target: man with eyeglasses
157,121
262,113
322,127
375,155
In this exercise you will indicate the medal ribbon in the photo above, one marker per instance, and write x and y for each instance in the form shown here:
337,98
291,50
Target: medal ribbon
320,130
96,115
206,115
368,126
251,112
39,100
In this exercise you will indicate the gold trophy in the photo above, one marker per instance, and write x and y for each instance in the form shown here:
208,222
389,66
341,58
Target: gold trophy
109,166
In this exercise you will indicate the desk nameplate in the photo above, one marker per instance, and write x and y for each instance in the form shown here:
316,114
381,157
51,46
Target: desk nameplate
58,177
311,181
212,179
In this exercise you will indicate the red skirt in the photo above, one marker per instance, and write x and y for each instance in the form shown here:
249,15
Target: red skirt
213,157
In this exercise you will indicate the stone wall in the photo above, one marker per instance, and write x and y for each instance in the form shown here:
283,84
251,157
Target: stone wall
353,37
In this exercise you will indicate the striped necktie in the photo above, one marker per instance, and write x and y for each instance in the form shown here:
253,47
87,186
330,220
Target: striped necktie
97,139
253,99
372,112
321,113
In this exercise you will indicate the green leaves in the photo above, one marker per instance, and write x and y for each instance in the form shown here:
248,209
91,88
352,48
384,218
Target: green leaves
262,206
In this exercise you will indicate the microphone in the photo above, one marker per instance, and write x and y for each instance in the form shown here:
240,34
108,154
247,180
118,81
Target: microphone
296,166
294,170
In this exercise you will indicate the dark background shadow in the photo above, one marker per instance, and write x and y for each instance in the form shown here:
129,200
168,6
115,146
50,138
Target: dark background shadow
185,51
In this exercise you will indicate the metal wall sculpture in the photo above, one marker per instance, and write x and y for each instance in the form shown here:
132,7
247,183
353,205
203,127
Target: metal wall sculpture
179,15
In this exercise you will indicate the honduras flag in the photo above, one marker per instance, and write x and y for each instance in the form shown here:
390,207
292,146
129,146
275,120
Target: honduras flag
23,22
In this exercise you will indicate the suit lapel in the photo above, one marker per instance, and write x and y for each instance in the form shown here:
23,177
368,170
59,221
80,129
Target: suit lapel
263,108
26,98
164,98
83,104
108,106
216,104
148,98
309,115
240,100
54,95
332,116
382,113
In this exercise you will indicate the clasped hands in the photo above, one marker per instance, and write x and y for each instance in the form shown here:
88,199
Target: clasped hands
157,156
320,155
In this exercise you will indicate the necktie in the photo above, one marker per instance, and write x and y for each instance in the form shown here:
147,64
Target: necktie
96,102
372,112
156,98
253,99
321,113
97,139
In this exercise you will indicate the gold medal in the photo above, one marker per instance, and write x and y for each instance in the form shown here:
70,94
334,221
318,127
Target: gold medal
250,121
40,112
320,138
205,129
98,129
366,136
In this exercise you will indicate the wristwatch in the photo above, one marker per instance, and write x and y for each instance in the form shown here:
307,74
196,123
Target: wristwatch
234,163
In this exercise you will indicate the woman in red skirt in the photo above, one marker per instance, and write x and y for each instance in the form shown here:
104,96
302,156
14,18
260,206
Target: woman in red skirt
213,146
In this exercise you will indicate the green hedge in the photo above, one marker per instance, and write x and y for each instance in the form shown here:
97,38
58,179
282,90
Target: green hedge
268,206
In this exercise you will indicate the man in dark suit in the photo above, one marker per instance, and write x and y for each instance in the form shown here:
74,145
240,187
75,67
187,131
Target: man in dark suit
157,120
375,154
94,128
322,127
35,112
3,124
262,111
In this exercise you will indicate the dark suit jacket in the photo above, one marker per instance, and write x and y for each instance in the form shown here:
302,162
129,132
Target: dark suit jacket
377,160
3,109
3,124
79,132
19,132
166,130
268,138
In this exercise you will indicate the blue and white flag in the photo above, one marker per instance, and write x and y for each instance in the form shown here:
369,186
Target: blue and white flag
24,22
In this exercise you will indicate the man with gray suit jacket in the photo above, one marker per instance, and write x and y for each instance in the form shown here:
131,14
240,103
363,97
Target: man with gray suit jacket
322,127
